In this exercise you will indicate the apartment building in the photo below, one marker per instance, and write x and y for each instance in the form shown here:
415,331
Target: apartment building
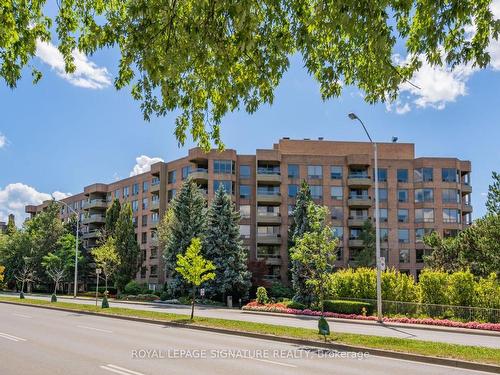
417,196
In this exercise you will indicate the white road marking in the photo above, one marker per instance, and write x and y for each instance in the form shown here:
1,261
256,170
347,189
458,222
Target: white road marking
120,370
23,316
272,362
11,337
95,329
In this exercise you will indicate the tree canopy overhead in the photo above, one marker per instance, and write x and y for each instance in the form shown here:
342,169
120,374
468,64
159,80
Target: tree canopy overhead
207,58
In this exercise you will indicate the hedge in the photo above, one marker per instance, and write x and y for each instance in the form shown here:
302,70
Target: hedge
348,307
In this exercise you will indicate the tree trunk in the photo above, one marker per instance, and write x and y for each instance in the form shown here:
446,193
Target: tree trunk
22,286
192,304
55,288
106,283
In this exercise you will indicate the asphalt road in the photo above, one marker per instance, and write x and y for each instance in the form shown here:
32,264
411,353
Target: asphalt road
297,321
43,342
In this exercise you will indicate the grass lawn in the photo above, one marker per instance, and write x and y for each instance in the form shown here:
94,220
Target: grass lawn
429,348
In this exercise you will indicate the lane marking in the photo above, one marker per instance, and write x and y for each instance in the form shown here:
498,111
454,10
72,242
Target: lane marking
23,316
95,329
120,370
272,362
11,337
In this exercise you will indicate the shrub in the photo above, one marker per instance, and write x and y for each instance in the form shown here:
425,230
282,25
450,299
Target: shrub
262,297
433,290
142,297
164,296
53,298
21,295
133,288
279,290
347,307
295,305
461,288
105,303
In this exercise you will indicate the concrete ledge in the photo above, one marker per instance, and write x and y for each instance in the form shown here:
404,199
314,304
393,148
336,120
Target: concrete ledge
468,331
341,347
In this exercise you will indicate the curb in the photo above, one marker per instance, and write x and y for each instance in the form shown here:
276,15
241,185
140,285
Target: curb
467,331
341,347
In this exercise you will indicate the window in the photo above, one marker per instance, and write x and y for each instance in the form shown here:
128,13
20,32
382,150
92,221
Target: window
293,171
424,195
144,237
358,173
382,195
450,196
451,215
172,177
314,171
359,214
223,166
245,231
403,215
244,171
268,190
143,270
293,190
153,271
125,191
79,204
449,175
155,217
382,174
337,213
383,215
134,221
336,193
268,210
226,184
185,172
424,215
468,218
245,211
384,234
402,175
336,172
244,191
316,191
117,194
144,221
420,233
466,178
450,233
268,231
135,189
403,235
403,195
421,254
291,208
135,205
423,175
404,256
145,186
170,194
268,251
155,181
154,255
144,203
338,232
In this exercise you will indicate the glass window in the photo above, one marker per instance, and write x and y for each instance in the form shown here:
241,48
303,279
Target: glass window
125,191
293,190
423,175
244,171
226,184
268,230
402,175
135,189
404,256
117,194
424,195
155,217
449,175
268,251
144,236
448,233
314,171
145,186
384,234
223,166
336,172
382,195
336,192
450,196
420,233
421,254
291,208
337,213
170,194
316,191
135,205
403,195
451,215
185,171
293,171
403,215
403,235
244,191
382,174
155,181
424,215
134,221
383,215
245,231
245,211
338,232
144,222
144,203
172,177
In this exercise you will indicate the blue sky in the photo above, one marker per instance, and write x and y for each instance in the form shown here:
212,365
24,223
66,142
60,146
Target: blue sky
68,132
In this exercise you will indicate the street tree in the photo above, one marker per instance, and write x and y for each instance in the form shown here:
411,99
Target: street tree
493,200
56,268
26,274
106,258
222,245
204,59
194,268
11,225
366,256
316,250
112,215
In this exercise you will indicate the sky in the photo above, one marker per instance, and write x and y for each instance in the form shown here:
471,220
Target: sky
69,131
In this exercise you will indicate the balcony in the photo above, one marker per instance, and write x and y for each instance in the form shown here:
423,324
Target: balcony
199,174
354,242
155,242
269,239
95,203
466,189
155,205
273,260
361,201
268,197
268,219
95,219
359,180
467,208
154,223
155,187
91,234
268,175
357,221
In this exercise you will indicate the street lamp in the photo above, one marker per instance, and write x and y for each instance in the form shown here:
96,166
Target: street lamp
75,287
353,116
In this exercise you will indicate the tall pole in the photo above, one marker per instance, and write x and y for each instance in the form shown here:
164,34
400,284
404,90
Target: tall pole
75,286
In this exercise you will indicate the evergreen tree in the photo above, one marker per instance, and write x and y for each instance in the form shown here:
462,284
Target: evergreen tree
112,215
300,226
188,221
222,245
126,247
366,256
11,225
493,201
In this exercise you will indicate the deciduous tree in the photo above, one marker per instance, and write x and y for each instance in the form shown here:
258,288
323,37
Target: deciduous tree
106,258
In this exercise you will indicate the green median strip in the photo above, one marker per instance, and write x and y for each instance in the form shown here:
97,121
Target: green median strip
427,348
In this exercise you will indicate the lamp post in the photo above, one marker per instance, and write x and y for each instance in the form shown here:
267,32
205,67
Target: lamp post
75,287
353,116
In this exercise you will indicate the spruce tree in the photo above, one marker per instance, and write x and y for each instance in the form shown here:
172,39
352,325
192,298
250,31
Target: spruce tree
366,256
222,245
126,247
188,221
11,225
112,214
300,226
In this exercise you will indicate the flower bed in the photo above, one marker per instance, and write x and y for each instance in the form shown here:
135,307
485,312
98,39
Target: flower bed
281,308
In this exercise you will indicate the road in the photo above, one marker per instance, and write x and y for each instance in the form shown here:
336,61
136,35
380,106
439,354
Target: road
45,342
305,322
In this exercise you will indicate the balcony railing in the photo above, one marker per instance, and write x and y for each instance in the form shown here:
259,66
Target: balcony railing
268,171
95,203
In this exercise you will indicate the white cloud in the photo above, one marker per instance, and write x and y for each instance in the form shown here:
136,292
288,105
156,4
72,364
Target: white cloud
14,198
143,164
87,74
3,140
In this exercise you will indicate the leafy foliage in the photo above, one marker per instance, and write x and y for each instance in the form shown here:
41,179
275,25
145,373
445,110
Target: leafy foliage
208,58
262,297
366,256
493,200
106,258
112,215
